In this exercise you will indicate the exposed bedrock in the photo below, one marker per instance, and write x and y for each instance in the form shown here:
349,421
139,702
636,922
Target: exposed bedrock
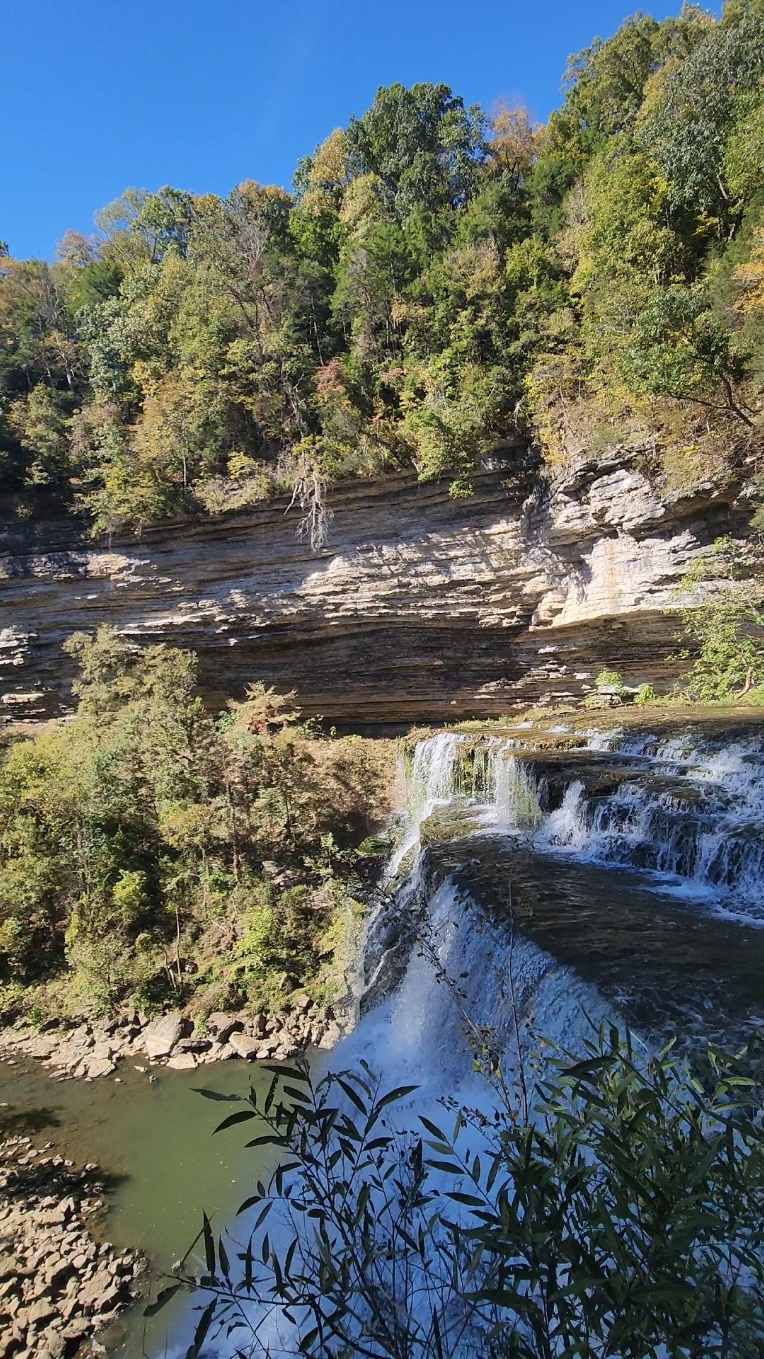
420,608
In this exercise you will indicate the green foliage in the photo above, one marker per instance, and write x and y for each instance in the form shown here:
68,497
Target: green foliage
645,693
438,285
725,620
139,838
688,127
614,1209
609,690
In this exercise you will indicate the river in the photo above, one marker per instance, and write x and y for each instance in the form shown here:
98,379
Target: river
613,862
163,1166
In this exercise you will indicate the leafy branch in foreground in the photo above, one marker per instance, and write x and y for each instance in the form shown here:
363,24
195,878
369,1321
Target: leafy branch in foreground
623,1216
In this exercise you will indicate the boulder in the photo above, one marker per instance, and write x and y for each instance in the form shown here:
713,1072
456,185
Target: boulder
286,1050
99,1066
331,1035
221,1025
42,1047
244,1045
160,1036
184,1061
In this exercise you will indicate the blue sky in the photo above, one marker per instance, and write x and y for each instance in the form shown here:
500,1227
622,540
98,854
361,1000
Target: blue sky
102,94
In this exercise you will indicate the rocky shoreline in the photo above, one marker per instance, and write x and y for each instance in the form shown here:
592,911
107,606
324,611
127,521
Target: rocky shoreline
58,1286
90,1050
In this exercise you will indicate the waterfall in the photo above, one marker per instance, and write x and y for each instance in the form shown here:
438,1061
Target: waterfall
433,781
513,794
684,812
417,1034
452,767
687,812
691,815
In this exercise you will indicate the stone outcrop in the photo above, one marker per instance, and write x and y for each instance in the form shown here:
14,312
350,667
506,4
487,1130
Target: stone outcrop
422,607
58,1286
91,1050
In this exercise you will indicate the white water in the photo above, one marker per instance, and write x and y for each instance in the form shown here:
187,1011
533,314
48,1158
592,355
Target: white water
433,782
418,1035
693,816
690,815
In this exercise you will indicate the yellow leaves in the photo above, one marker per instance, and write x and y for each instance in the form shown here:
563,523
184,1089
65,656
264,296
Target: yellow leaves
359,201
129,895
474,269
328,167
751,275
527,263
191,825
515,141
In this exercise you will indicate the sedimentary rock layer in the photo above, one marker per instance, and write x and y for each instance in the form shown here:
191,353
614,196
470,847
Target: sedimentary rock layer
421,607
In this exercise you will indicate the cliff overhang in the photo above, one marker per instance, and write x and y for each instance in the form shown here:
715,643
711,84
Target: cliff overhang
421,608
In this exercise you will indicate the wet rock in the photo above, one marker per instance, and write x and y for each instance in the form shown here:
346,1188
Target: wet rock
197,1045
183,1061
100,1066
286,1050
47,1256
331,1035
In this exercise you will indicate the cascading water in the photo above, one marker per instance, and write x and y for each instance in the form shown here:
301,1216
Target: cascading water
504,881
688,812
692,814
433,781
680,817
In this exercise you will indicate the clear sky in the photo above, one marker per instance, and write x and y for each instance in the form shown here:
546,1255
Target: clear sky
99,95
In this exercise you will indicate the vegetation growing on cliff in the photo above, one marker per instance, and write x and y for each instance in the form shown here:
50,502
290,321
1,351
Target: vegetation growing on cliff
149,850
438,283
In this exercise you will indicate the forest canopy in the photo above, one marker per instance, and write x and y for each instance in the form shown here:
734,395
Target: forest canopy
439,285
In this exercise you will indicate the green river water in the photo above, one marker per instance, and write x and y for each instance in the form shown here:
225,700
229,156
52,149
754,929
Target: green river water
162,1165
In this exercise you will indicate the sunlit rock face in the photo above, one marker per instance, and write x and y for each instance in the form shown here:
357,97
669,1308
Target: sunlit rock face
421,607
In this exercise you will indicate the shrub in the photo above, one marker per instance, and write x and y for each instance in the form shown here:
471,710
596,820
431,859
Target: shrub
612,1207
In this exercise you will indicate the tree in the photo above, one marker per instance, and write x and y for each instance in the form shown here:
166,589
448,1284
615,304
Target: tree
679,349
422,146
726,622
687,126
133,842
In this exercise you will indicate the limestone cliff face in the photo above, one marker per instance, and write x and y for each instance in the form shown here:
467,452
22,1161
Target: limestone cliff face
421,607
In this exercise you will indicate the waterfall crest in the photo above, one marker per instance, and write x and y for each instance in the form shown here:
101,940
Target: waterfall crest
688,812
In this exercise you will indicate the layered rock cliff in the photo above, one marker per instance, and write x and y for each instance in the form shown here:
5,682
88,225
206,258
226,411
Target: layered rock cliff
420,608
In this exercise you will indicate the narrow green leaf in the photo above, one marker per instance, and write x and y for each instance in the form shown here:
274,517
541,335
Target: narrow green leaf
200,1334
399,1093
209,1245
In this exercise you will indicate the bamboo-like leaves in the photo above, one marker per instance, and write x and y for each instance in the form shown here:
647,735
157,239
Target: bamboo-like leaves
625,1218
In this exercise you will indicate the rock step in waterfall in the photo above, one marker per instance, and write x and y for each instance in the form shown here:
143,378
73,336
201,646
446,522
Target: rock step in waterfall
569,875
687,808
